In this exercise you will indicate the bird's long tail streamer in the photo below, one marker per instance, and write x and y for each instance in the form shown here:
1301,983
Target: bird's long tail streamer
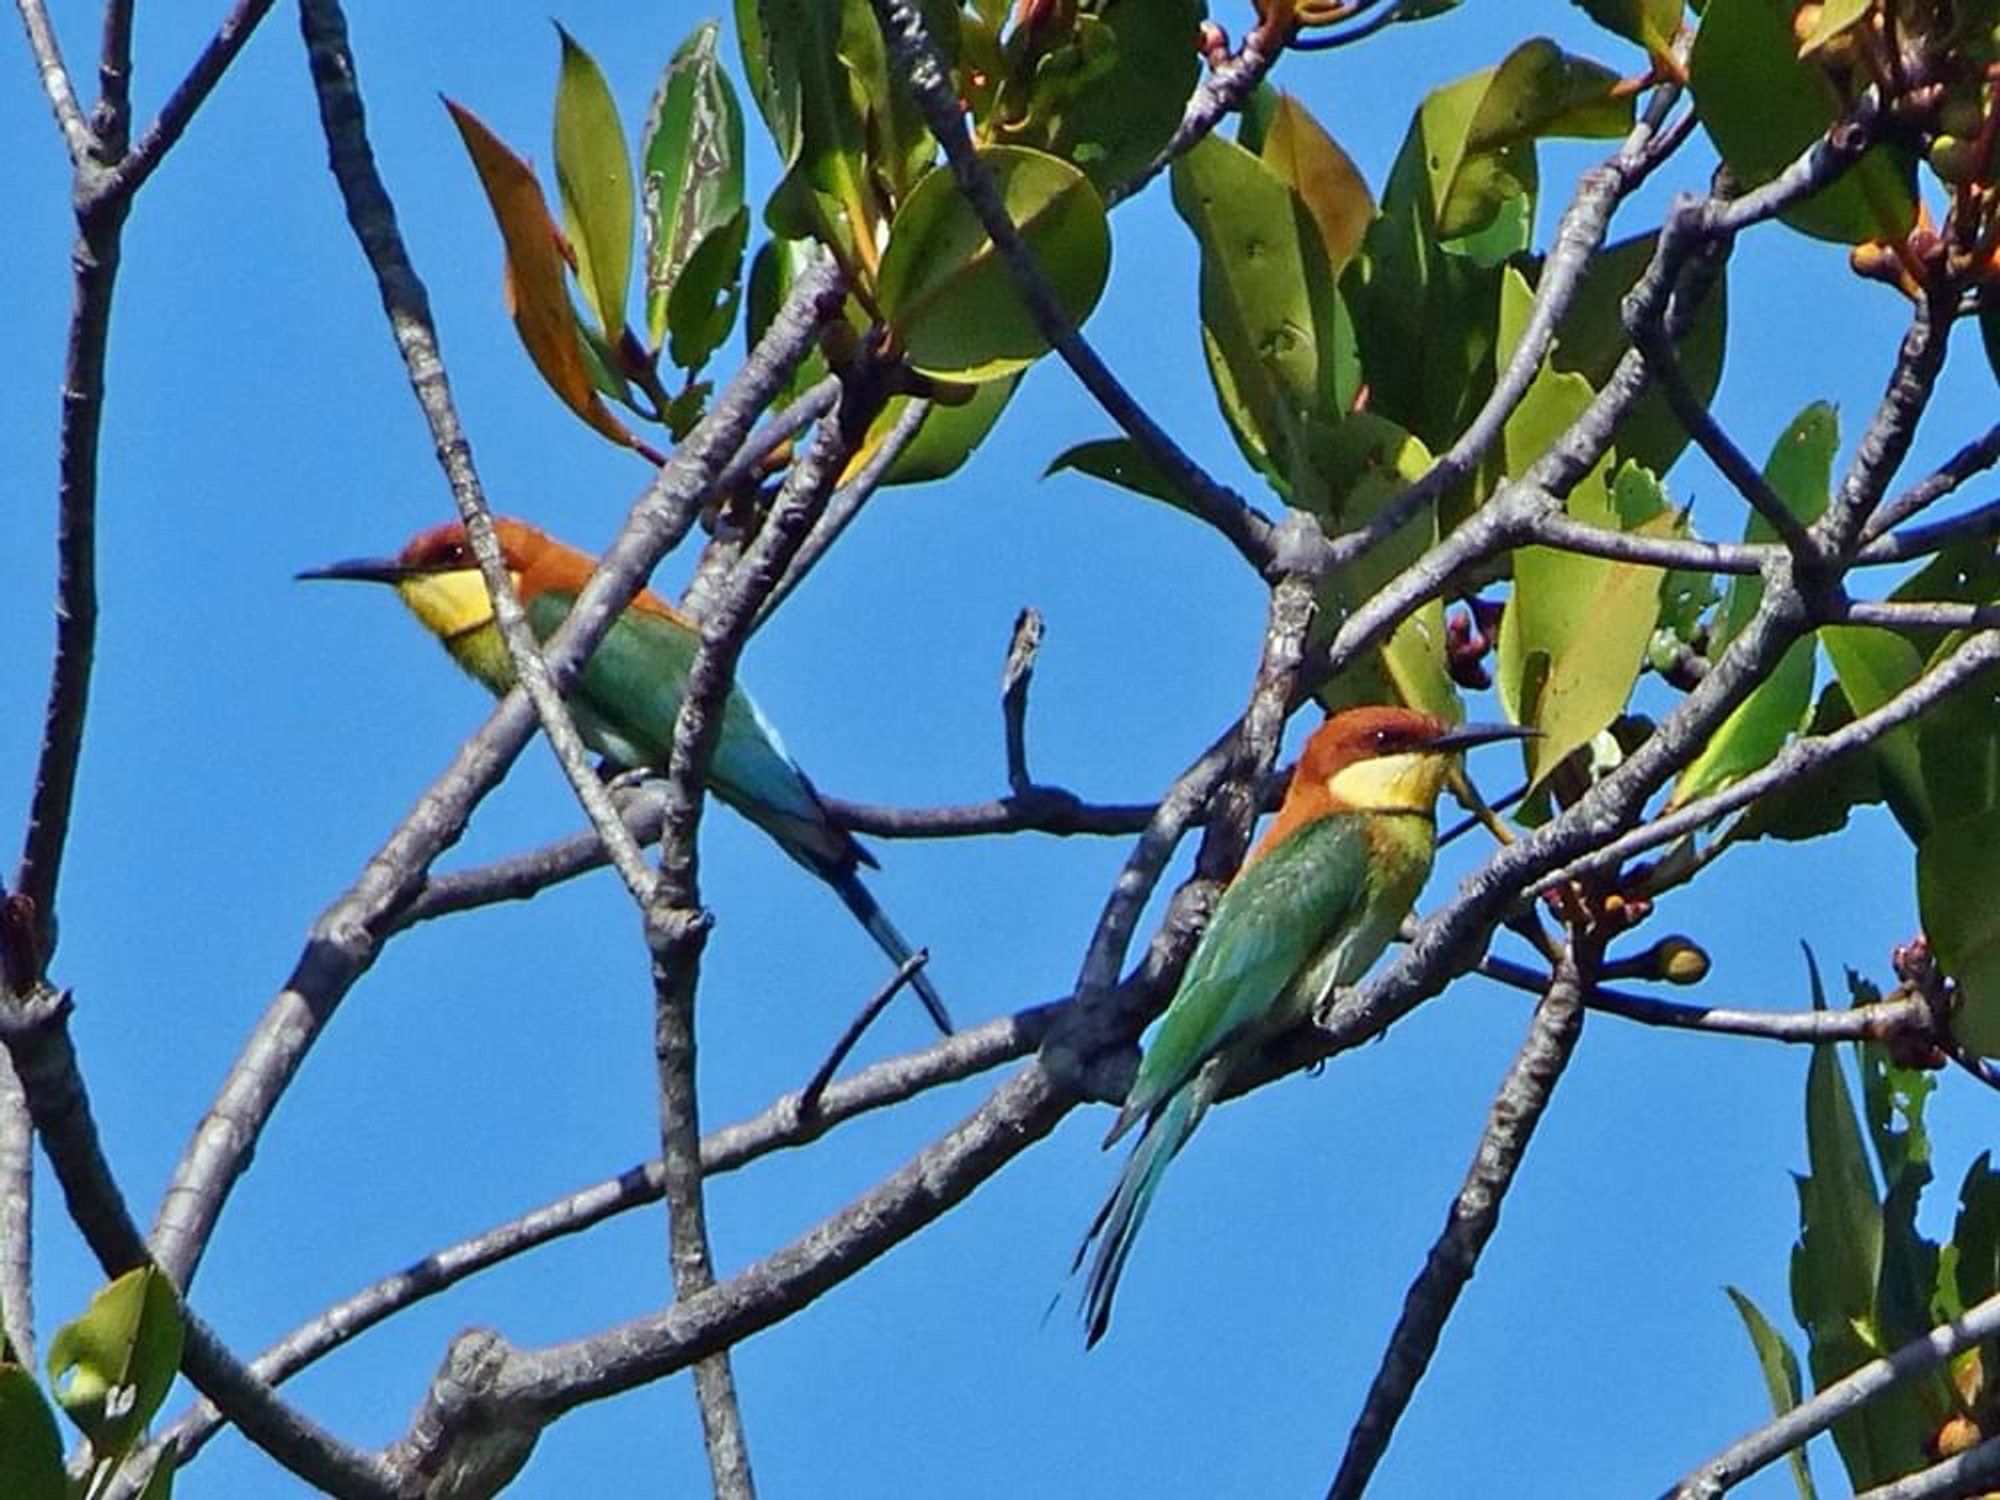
1117,1223
868,911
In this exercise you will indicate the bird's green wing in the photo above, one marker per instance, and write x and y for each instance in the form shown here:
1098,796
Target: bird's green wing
1275,918
625,707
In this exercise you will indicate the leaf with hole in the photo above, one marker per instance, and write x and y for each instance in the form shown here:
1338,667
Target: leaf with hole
691,187
111,1367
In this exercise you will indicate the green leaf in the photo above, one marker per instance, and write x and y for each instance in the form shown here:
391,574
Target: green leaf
1367,462
1479,132
1423,317
1892,1100
1838,1258
948,436
691,175
1763,106
1975,1241
701,306
1270,319
1958,871
1781,1377
111,1368
1800,472
1653,24
1575,631
1815,805
1122,462
793,59
537,296
1107,96
31,1458
1835,17
595,181
949,295
1873,666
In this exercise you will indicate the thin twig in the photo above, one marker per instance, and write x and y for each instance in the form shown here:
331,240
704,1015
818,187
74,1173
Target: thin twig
781,1125
34,1028
1222,91
130,174
1474,1215
1797,760
677,927
1981,523
1016,676
525,1388
1976,457
56,82
809,1096
1861,1023
846,504
17,1219
1963,1474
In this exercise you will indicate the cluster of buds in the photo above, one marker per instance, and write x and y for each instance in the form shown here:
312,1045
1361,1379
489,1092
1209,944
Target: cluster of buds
1469,635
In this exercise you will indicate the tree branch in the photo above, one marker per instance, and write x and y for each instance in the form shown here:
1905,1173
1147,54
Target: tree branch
1474,1215
1807,1420
346,940
677,927
513,1388
56,82
782,1125
1797,760
131,172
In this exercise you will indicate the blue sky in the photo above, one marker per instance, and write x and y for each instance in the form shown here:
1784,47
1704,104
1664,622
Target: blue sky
252,741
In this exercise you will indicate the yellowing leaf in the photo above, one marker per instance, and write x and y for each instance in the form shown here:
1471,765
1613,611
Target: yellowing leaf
537,296
1304,156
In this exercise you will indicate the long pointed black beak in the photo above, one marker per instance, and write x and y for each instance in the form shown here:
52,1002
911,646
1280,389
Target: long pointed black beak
360,570
1465,736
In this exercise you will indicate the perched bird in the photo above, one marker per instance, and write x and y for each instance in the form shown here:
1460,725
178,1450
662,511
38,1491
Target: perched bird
1314,904
630,691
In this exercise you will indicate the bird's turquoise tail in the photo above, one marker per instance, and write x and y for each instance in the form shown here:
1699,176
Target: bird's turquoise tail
846,882
1117,1223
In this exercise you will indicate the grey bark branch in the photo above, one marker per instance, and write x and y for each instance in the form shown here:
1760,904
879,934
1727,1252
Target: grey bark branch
1474,1214
677,926
785,1124
347,938
1807,1420
34,1028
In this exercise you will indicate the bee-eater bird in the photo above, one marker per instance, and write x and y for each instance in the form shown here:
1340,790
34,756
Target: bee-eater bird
629,694
1314,904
